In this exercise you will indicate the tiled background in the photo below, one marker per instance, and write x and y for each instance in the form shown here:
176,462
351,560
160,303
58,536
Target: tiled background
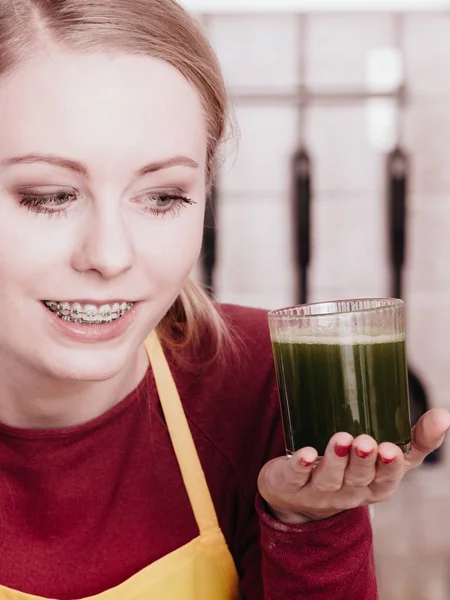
255,265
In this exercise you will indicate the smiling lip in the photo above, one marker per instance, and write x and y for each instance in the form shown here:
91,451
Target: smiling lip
92,333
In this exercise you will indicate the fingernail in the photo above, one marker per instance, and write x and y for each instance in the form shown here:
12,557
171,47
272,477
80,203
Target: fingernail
363,453
387,461
305,463
342,451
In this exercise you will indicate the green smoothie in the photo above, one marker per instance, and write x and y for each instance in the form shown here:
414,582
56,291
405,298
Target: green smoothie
330,385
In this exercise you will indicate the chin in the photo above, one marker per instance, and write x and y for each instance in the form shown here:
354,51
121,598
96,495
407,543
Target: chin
86,373
90,366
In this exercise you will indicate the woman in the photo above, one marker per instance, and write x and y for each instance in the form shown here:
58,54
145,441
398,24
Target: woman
111,116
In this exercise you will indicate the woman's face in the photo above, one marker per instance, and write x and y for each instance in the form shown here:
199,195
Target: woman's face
102,191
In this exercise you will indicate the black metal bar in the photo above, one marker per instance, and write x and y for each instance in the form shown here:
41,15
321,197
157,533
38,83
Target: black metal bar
398,167
398,170
209,248
301,169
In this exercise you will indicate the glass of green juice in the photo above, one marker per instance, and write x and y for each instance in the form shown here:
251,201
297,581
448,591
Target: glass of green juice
341,366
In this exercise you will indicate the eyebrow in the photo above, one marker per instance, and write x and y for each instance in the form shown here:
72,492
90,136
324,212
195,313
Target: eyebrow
81,169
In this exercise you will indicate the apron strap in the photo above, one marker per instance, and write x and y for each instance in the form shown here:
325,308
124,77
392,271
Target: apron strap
181,437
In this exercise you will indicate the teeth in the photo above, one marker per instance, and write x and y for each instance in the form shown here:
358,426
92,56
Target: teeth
64,308
90,310
75,310
89,313
105,310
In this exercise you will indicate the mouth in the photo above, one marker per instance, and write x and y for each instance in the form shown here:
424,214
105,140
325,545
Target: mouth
88,314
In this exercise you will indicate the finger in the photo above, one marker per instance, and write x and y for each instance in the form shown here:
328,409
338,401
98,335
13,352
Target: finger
285,476
301,465
329,475
360,470
389,471
427,435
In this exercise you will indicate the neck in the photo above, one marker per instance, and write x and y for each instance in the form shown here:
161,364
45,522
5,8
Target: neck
36,401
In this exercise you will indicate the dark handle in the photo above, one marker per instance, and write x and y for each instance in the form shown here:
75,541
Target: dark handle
301,168
398,167
209,249
398,172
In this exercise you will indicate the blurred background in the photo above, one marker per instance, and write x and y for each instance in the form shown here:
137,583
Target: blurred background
339,187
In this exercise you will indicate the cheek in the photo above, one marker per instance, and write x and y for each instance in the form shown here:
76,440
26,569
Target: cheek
16,267
29,253
172,250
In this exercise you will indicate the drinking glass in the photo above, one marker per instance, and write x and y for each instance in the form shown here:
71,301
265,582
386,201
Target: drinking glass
341,366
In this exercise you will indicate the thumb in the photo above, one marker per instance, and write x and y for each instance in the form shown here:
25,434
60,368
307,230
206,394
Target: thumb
427,435
282,477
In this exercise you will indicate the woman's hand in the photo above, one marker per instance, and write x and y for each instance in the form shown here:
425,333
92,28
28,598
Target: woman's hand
353,472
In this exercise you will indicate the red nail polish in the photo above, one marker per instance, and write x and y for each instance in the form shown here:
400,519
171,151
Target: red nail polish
305,463
342,451
387,461
363,453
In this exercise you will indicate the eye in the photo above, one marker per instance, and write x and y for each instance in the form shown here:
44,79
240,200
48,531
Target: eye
56,203
161,204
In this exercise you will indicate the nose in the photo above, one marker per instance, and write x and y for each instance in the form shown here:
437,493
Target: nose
105,245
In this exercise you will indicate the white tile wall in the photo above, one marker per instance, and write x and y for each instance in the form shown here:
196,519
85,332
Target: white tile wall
266,141
254,249
437,201
427,51
349,236
428,333
349,246
427,135
411,538
344,161
337,47
429,300
349,227
428,249
245,46
266,300
346,290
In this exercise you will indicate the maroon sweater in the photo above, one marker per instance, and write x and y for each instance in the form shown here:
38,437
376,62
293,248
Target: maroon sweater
82,509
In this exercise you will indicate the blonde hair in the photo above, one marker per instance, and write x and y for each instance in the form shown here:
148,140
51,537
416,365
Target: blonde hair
158,28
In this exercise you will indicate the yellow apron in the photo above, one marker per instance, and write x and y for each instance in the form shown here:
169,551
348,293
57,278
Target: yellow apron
203,569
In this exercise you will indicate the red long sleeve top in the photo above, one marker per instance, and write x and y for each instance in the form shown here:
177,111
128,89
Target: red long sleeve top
84,508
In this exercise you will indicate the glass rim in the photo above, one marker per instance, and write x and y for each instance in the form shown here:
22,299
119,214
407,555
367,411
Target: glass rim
287,314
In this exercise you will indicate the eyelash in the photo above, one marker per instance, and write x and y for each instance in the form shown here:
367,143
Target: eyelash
38,203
